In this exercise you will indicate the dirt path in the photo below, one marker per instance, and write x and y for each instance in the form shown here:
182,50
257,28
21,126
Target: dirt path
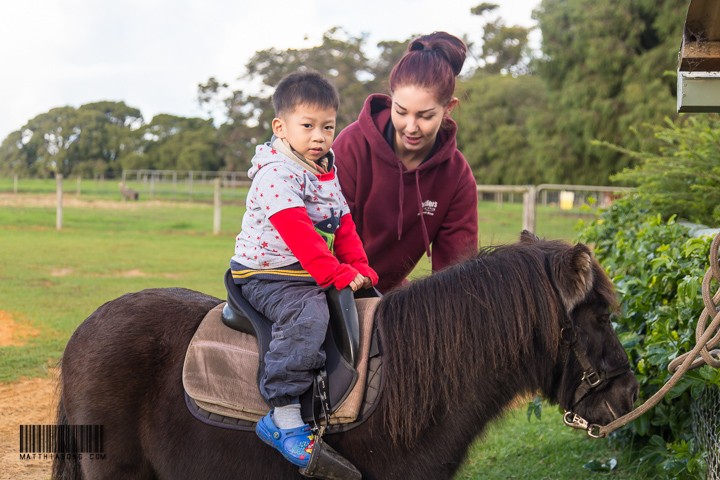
27,402
50,200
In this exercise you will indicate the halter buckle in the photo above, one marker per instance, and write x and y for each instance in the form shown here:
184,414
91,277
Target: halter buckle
592,378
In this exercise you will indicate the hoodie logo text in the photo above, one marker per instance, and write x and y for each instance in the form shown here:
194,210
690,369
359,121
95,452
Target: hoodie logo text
429,207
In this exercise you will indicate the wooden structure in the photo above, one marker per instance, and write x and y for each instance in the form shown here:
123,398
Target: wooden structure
699,62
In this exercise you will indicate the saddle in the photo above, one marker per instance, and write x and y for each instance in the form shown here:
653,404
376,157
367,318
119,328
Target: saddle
342,344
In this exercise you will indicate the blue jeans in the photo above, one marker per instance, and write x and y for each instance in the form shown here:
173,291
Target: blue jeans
300,317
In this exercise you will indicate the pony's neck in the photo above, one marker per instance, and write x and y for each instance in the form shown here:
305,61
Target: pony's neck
475,333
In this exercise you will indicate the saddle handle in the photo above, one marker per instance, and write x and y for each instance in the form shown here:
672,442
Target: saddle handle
346,326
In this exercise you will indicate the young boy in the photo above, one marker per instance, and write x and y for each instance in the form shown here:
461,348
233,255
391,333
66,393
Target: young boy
297,240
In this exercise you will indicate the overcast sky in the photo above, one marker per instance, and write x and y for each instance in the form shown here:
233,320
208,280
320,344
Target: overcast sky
152,54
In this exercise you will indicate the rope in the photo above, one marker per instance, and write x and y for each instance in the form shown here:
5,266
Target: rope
698,356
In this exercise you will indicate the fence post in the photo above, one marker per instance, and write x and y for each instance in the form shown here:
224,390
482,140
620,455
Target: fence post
59,210
217,209
529,209
15,184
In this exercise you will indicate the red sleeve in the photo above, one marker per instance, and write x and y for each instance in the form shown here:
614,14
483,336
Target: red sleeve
349,248
457,237
297,231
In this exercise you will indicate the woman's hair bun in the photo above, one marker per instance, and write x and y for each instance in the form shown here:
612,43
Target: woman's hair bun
448,46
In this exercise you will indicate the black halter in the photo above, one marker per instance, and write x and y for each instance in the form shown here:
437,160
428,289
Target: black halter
591,378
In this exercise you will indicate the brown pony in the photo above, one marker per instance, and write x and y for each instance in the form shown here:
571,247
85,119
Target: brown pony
457,348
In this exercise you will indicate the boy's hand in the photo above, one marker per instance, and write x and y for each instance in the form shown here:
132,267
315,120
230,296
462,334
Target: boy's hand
367,282
358,282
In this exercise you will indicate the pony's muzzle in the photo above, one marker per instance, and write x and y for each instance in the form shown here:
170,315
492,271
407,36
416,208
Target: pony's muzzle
327,464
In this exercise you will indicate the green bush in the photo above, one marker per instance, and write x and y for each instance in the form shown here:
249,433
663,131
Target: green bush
682,177
657,269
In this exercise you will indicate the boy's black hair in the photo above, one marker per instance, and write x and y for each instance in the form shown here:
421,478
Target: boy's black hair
307,87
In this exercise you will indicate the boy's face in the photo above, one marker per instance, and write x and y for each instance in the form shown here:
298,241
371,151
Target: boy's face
308,129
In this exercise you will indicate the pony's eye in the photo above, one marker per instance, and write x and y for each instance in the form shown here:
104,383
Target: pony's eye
604,318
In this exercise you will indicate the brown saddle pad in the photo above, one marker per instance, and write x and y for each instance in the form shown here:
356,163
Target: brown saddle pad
220,369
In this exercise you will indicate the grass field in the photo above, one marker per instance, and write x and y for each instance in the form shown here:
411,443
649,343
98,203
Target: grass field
51,280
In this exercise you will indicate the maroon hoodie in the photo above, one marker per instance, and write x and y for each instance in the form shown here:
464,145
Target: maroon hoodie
399,214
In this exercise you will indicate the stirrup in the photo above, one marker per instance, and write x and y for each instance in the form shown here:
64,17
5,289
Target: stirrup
327,464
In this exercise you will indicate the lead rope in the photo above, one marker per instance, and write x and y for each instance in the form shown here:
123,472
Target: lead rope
698,356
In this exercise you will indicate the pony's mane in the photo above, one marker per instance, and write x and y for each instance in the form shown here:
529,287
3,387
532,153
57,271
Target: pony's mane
492,311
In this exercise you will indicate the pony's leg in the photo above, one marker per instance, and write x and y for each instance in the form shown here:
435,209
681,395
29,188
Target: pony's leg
122,455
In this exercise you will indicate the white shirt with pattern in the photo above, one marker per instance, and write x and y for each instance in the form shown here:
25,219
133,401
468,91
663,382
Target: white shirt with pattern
279,183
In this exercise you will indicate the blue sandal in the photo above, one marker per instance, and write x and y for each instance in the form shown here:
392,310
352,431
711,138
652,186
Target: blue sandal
295,444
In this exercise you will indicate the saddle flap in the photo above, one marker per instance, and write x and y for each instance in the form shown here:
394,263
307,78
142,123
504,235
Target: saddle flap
239,315
220,362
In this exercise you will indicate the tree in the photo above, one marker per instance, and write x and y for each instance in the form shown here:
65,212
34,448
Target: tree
682,177
102,138
71,141
604,64
105,134
391,51
171,142
40,147
495,116
498,103
504,49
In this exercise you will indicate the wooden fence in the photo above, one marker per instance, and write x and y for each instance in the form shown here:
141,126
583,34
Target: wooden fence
532,195
216,187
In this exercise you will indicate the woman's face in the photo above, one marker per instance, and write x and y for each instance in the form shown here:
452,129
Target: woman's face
417,117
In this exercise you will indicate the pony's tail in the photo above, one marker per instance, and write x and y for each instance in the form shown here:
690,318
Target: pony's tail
64,467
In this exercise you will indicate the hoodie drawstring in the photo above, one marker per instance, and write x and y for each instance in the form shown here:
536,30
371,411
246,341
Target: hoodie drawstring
418,196
401,198
422,214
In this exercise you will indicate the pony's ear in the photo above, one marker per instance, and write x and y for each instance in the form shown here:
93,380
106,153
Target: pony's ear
527,236
574,274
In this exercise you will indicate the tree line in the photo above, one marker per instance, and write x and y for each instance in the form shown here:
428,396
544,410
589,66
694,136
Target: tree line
603,74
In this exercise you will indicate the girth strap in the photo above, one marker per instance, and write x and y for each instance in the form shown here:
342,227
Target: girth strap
321,401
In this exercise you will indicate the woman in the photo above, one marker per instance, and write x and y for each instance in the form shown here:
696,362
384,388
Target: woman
409,188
